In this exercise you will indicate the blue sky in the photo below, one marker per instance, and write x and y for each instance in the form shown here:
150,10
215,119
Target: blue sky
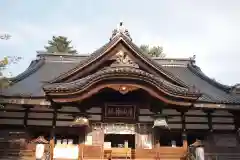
207,28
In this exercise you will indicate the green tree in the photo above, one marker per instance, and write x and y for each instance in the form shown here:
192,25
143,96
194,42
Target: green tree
60,44
3,81
5,36
155,51
3,64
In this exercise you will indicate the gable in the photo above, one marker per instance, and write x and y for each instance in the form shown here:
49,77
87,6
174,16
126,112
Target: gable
119,55
109,54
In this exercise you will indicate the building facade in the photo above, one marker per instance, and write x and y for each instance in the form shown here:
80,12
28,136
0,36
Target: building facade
109,103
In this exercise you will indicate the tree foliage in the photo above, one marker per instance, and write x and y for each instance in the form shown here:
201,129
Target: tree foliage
60,44
155,51
3,64
3,80
5,36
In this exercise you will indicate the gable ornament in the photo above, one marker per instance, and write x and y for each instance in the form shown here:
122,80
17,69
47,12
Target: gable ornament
122,59
121,30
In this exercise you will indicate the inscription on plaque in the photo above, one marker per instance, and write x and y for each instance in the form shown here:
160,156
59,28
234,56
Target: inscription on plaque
119,111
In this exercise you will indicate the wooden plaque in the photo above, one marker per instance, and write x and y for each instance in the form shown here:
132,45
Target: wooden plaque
120,111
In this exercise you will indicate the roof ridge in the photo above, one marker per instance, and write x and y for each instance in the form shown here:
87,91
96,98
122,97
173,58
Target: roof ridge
197,71
33,67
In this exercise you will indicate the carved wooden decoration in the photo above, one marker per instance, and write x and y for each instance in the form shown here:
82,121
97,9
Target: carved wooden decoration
122,88
122,59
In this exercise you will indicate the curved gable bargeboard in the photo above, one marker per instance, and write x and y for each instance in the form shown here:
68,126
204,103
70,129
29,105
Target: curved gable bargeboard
80,89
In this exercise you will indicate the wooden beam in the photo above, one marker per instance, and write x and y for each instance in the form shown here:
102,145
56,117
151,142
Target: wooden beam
39,111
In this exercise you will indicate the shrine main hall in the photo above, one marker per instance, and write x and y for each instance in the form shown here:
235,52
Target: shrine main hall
117,102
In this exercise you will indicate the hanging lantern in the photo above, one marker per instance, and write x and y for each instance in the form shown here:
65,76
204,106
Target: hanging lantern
80,121
160,121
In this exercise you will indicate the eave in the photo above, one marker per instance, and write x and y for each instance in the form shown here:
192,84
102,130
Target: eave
25,101
124,75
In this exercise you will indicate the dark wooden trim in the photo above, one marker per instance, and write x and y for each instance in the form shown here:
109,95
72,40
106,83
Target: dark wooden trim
26,117
187,115
143,122
90,113
39,119
49,129
38,111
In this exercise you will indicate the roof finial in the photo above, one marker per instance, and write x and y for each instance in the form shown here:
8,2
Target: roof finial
121,30
121,23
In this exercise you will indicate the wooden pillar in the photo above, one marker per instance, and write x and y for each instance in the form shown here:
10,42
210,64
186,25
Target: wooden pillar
157,131
52,143
81,138
81,141
25,120
236,115
157,134
209,117
184,138
80,151
236,120
157,145
26,113
52,137
184,134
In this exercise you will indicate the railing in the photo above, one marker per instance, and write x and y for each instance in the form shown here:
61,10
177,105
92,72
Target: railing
98,152
222,156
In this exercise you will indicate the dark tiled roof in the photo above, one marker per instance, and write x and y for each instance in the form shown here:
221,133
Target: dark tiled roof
49,67
212,90
30,82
